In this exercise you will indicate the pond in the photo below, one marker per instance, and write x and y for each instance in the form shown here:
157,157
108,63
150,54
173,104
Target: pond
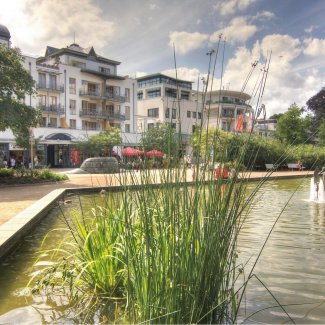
291,265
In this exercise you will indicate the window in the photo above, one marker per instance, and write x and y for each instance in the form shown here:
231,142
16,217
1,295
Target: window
72,85
173,125
127,128
43,121
53,122
167,113
189,114
174,113
185,95
105,70
199,115
171,92
127,112
42,80
86,125
73,124
151,126
42,100
52,81
140,95
194,114
153,92
153,112
52,100
72,107
127,94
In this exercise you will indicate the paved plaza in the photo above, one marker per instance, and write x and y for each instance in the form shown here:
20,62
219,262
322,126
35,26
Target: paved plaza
17,198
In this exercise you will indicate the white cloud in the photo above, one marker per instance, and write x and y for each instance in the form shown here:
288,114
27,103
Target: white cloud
238,31
227,7
154,6
314,47
284,46
309,29
264,15
53,22
185,42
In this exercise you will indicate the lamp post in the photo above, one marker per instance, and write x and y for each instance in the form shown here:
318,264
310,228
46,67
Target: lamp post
31,140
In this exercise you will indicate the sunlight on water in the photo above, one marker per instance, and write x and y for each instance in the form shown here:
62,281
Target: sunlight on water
292,265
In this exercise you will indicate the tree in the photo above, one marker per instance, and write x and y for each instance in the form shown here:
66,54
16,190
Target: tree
15,84
292,127
101,144
275,116
316,104
162,137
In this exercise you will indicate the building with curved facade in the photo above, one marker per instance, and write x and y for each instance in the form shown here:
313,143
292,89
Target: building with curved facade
228,110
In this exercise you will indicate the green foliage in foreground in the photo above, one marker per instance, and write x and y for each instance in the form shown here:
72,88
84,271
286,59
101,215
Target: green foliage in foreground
23,175
166,255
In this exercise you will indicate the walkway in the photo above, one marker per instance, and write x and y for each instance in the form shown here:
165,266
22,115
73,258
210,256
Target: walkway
14,199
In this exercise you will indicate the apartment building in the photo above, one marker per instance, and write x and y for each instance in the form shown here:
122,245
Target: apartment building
228,110
79,94
165,99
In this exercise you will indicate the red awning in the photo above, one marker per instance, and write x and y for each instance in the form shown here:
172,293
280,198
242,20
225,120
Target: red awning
155,153
131,152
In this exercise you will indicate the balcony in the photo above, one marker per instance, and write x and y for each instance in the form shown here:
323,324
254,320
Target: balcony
115,97
90,93
101,115
52,109
228,114
50,87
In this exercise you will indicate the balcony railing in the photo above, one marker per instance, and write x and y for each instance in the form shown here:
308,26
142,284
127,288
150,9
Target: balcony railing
90,93
227,114
52,109
101,115
49,87
115,97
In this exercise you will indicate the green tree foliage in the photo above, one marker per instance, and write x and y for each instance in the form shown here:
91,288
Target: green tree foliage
101,144
292,127
275,116
15,84
316,104
162,137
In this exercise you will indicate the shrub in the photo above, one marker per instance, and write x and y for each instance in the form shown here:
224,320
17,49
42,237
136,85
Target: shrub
6,172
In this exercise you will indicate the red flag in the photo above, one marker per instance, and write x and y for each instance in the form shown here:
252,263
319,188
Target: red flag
239,125
250,123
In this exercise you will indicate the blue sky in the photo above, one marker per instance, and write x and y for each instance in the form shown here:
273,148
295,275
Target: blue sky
141,35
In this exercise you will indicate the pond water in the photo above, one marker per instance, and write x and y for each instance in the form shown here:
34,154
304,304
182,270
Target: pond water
291,266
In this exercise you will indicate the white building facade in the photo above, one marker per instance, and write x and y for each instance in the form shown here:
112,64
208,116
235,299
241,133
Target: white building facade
79,94
228,110
163,99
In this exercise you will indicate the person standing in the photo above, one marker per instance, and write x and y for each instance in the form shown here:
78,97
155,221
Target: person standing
316,181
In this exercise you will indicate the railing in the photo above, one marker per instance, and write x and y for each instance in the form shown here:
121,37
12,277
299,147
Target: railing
48,87
115,97
89,93
52,109
226,102
227,114
101,115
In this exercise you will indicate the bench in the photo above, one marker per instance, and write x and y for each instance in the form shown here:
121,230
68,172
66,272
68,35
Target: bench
293,166
271,166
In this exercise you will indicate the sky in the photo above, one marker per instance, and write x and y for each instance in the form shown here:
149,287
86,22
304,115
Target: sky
285,37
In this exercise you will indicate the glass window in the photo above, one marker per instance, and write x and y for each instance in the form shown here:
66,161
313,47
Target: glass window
199,115
188,113
167,113
153,92
194,114
72,107
52,81
127,112
140,95
42,80
73,124
72,85
153,112
127,94
53,122
174,113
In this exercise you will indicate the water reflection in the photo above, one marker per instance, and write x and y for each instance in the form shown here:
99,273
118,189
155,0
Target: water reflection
291,266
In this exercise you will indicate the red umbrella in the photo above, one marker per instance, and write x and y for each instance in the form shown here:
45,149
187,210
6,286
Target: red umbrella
154,153
131,152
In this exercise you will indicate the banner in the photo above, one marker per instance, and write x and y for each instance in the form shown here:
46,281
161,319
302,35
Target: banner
239,125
